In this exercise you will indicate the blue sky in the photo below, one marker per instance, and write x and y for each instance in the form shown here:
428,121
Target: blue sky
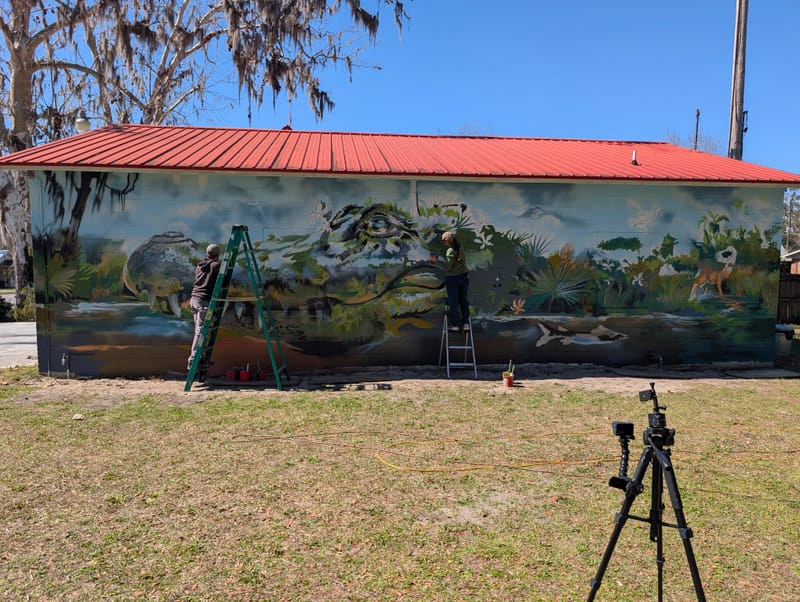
618,70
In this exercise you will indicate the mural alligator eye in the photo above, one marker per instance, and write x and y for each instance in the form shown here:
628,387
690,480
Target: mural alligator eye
376,250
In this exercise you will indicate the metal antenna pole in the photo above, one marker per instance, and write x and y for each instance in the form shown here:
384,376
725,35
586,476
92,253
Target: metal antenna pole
696,127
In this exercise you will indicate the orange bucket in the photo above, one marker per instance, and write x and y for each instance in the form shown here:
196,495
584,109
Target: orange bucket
508,379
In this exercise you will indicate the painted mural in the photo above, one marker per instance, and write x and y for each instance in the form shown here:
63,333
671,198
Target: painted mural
614,274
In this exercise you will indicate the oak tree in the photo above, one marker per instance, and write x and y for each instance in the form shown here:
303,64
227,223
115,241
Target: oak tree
157,62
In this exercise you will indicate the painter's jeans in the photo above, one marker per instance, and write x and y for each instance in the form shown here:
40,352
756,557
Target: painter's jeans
458,306
199,309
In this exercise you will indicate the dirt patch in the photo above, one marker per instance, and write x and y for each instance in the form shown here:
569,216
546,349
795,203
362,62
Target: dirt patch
108,392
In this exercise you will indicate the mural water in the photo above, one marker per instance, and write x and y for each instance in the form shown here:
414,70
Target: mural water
603,273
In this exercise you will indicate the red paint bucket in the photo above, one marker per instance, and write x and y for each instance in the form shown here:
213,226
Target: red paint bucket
244,375
230,374
508,379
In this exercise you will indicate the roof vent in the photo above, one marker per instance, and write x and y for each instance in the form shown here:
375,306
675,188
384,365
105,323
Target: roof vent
633,159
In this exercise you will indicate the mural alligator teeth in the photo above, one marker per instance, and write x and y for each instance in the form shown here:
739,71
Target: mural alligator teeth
599,335
174,304
421,278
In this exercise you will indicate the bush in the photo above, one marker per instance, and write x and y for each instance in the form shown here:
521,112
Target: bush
6,310
26,312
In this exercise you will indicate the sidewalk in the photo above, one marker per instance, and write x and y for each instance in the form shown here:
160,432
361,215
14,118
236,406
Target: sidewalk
18,344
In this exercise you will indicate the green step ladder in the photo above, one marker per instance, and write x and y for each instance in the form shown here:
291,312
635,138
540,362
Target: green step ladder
239,240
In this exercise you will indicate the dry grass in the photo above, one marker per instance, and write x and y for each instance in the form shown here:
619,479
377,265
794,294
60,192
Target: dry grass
438,490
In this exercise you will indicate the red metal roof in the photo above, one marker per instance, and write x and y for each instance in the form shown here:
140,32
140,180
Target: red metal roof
146,148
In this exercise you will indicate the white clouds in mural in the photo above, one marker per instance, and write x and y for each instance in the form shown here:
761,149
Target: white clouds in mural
643,219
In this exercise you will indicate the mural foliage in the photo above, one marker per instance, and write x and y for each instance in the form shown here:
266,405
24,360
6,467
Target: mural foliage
612,274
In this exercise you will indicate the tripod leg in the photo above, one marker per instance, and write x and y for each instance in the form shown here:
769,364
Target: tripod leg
657,525
683,529
633,489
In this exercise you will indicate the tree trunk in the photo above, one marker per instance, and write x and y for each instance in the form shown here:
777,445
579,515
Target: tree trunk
16,226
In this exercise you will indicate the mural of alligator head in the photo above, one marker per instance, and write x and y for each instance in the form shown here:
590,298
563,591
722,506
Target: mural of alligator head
369,268
162,268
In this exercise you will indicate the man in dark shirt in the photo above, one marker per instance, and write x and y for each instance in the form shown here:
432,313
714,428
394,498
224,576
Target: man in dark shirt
456,283
205,277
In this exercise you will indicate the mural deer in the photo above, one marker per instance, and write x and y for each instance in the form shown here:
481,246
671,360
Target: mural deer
715,273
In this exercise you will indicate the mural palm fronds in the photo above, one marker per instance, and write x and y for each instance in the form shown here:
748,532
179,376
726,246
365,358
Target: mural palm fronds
560,286
59,278
712,227
667,247
533,245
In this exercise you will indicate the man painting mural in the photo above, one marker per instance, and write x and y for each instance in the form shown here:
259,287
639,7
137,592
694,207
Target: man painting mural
205,277
456,283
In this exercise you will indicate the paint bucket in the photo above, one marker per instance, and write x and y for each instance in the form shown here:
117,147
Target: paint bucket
508,379
244,375
230,374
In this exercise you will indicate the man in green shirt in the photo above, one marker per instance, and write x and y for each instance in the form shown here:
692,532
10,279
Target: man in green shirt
456,283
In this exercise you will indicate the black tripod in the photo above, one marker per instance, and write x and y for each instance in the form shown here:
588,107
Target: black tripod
657,439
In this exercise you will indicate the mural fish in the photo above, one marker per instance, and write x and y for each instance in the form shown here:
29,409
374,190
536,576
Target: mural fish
599,335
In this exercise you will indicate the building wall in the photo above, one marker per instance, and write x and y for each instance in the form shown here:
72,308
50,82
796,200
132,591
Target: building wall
607,273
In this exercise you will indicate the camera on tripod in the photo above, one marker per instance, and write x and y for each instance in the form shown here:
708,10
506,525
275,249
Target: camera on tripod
656,456
622,429
646,395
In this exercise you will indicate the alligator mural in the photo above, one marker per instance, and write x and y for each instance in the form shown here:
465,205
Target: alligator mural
360,281
361,272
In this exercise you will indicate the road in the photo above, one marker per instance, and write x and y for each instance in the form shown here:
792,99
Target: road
18,344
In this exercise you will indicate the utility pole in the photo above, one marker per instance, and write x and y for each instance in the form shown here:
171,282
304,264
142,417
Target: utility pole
736,135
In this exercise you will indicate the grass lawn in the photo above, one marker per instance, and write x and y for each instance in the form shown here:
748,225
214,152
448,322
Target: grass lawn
440,490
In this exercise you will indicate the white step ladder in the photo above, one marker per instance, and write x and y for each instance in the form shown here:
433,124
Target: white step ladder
446,348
